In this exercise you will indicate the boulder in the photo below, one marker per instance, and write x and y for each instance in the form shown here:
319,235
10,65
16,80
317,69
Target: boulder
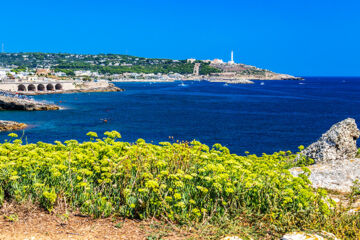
337,144
336,176
309,236
334,153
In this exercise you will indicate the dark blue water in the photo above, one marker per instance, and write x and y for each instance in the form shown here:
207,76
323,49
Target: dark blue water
278,115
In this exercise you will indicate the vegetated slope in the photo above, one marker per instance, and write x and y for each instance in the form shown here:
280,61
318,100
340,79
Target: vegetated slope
184,183
103,63
117,64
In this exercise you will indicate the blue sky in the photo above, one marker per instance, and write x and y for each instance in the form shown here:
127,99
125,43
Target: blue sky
299,37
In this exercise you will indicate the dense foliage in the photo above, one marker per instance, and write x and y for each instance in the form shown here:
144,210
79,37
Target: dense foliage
180,67
180,182
103,63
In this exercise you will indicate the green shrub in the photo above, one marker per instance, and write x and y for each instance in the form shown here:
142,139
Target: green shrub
180,182
48,199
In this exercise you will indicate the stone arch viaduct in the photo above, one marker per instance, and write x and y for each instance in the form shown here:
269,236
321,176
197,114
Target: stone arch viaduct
32,86
39,87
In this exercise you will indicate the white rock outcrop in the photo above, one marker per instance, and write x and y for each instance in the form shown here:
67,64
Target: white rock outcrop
232,238
337,144
334,153
309,236
338,176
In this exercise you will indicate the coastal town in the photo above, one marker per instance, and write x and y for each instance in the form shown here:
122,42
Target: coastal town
41,73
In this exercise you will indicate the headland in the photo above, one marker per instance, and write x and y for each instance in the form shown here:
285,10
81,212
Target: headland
47,73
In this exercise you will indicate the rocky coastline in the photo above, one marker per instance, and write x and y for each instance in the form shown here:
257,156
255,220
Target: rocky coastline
15,103
232,81
250,79
11,126
241,79
277,78
110,88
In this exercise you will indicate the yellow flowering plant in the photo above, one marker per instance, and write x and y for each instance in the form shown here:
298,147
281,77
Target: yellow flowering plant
183,182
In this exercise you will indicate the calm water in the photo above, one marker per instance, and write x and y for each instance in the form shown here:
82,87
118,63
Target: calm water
276,115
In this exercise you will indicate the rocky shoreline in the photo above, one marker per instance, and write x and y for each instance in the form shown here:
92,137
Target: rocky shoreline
15,103
232,81
80,90
11,126
276,77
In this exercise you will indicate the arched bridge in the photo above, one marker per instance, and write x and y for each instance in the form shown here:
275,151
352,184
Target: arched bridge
39,87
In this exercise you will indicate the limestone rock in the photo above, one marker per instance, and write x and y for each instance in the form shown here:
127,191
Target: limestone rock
309,236
15,103
336,144
11,126
338,176
231,238
334,153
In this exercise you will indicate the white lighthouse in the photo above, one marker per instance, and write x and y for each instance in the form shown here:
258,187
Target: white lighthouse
232,58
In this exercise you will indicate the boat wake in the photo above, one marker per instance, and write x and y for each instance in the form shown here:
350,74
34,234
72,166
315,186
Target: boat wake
183,85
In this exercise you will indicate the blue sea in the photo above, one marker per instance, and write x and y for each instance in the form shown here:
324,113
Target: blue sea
264,117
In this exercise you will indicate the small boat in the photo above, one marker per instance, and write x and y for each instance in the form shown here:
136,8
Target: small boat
262,83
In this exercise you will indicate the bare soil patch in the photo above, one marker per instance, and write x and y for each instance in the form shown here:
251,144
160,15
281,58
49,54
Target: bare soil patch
30,223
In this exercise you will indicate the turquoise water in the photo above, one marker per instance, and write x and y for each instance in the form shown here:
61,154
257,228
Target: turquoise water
275,115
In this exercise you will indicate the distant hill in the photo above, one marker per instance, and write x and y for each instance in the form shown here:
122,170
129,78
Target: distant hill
103,63
118,64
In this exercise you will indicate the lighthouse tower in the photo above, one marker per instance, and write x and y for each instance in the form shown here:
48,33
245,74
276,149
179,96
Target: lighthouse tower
232,58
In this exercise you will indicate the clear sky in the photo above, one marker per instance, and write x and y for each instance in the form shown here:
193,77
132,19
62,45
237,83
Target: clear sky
300,37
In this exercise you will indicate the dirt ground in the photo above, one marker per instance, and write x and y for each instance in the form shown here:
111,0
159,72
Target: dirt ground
31,223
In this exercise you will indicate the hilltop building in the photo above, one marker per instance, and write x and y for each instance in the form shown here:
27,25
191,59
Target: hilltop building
220,61
190,60
217,61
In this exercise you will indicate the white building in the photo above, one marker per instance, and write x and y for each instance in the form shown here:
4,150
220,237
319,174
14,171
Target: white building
217,61
4,72
82,73
60,74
